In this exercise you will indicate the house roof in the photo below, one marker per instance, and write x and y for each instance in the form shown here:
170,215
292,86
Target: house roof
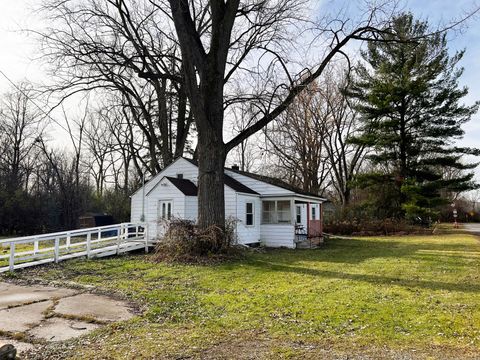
237,185
190,189
275,182
267,179
187,187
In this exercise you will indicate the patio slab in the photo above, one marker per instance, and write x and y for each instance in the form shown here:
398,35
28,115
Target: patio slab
23,318
99,307
58,329
13,295
23,311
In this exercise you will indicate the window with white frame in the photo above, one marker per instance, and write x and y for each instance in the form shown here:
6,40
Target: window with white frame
165,209
299,214
249,214
268,212
314,213
283,211
276,212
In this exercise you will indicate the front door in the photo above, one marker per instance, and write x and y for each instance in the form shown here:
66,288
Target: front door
165,210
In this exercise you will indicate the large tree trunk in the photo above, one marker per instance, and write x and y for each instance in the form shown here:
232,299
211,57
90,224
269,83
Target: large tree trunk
211,151
211,196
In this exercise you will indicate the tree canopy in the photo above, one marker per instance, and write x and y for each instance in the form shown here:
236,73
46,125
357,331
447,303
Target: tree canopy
412,112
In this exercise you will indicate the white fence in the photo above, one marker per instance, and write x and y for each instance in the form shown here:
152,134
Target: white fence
92,242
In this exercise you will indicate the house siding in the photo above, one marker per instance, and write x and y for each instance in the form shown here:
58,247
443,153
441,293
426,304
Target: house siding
165,191
248,234
191,208
186,207
278,235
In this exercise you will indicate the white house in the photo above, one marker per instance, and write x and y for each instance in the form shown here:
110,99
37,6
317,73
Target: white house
268,211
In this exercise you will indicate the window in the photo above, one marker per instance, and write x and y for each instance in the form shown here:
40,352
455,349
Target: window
283,211
249,213
314,212
268,212
299,214
165,210
276,212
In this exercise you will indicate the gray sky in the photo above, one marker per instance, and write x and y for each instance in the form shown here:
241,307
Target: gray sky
19,50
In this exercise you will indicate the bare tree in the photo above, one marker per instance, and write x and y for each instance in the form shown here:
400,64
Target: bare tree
296,141
220,41
246,154
20,122
213,50
116,45
345,158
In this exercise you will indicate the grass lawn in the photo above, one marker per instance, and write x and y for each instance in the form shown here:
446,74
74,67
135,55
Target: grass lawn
385,297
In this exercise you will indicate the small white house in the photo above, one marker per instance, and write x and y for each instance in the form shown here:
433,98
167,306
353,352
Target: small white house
267,210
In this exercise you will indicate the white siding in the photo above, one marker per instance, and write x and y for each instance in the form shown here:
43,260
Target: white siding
278,235
165,191
180,166
191,208
274,235
230,203
259,186
248,234
135,208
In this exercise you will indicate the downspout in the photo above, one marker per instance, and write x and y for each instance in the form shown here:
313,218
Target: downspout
142,218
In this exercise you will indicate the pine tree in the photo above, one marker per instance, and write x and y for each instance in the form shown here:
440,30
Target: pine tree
410,103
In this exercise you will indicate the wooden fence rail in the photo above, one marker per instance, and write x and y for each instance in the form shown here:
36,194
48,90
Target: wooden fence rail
92,242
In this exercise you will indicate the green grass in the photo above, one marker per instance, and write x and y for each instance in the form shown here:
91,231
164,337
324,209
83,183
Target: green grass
361,295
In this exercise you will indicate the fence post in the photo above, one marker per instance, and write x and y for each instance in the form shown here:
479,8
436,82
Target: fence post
99,235
56,250
35,247
119,231
145,235
89,244
69,240
11,261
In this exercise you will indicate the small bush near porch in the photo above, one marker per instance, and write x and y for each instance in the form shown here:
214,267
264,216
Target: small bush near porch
386,297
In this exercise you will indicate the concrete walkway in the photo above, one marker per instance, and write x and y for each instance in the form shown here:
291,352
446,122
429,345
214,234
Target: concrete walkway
32,315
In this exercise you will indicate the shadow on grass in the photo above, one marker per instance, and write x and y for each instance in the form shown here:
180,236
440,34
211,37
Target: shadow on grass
356,251
359,250
369,278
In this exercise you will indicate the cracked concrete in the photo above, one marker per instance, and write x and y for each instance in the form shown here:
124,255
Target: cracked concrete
99,307
13,295
23,318
40,313
58,329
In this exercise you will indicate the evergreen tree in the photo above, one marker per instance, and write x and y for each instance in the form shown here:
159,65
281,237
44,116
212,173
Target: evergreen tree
410,102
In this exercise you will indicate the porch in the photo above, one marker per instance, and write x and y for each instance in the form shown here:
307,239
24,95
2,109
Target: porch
294,220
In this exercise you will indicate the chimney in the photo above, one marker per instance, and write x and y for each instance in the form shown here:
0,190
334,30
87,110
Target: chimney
235,167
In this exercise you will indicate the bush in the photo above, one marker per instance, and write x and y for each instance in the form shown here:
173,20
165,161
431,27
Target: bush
184,241
373,227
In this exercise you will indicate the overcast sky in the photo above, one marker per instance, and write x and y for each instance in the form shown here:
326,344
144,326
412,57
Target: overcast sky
18,50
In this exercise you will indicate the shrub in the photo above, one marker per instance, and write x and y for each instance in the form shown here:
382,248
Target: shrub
184,241
370,227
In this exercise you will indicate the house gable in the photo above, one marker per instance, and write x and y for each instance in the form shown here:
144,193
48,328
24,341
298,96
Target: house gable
179,166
